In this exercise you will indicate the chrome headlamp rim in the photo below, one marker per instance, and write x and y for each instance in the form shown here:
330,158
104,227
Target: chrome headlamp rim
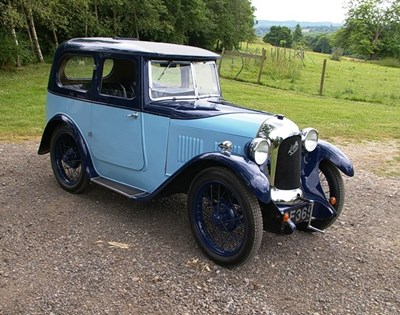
259,150
309,137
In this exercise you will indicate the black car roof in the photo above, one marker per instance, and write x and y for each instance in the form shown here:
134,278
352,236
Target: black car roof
137,47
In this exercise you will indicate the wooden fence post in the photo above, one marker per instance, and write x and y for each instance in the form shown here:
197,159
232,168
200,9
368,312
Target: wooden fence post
261,65
220,61
321,87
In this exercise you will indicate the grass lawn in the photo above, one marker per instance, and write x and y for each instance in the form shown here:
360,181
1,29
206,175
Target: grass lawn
22,102
346,79
334,118
23,91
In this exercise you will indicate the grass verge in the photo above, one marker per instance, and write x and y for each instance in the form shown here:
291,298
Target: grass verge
23,92
22,99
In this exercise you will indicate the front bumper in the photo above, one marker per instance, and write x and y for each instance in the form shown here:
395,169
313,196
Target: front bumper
284,218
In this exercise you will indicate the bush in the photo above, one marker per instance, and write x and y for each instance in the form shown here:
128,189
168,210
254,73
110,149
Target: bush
337,53
388,62
9,51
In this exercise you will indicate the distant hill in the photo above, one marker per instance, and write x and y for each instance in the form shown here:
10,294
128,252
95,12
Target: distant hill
262,27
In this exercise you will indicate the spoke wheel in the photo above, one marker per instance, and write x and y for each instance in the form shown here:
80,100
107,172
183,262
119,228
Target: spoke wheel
333,187
66,161
225,217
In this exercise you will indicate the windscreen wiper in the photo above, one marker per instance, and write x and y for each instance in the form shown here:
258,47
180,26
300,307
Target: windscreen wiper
166,68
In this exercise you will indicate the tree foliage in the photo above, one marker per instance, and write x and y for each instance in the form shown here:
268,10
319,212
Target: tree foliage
298,38
43,24
323,45
371,28
279,36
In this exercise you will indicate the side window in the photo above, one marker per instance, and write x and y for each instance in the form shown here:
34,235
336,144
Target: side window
76,73
119,78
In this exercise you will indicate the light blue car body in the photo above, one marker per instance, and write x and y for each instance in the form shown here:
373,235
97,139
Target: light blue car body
144,151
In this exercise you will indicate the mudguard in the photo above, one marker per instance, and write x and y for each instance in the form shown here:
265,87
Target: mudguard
247,170
52,124
310,176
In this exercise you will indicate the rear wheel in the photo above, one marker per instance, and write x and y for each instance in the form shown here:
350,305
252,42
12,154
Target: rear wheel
333,187
225,217
66,161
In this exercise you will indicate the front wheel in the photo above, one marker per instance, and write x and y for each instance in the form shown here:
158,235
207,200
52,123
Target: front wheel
332,185
225,217
66,160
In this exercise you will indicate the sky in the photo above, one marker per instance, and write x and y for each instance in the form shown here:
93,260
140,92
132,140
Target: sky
300,10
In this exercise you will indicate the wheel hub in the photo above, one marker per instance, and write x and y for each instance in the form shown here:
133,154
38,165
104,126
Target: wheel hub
71,158
224,217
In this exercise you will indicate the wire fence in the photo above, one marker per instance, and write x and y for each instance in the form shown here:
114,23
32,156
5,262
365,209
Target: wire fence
258,65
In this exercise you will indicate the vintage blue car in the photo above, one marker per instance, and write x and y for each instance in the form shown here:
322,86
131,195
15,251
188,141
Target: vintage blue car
147,119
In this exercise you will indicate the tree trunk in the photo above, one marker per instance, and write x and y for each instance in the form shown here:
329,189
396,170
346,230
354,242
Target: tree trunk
96,14
136,24
115,22
14,34
86,27
28,31
55,37
31,24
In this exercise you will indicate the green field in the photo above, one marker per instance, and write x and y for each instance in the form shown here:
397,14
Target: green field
22,102
347,79
22,99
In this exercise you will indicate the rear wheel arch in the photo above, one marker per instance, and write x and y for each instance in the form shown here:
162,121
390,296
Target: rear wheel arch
52,125
67,160
57,122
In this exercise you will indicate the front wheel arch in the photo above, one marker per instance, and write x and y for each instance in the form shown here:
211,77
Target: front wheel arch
332,185
247,171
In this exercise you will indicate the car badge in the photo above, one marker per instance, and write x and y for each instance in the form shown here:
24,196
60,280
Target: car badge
293,148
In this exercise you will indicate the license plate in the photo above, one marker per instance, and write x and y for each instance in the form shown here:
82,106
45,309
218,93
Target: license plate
301,214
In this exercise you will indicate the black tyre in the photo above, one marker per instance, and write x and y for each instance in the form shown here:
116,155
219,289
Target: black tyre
66,161
332,185
225,217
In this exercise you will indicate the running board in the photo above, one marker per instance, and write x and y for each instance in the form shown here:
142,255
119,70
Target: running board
127,191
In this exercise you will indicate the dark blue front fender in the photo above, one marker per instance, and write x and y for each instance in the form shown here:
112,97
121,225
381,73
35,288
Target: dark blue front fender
327,151
310,176
247,170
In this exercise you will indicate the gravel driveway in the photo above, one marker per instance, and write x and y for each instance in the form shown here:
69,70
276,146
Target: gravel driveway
99,253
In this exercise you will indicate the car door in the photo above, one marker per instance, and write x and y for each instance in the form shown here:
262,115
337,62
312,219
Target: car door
116,127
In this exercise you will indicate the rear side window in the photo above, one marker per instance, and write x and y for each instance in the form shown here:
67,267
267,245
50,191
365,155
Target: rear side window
76,73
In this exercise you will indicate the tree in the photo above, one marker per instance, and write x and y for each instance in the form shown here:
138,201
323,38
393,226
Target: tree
10,19
369,26
188,19
279,35
28,8
298,36
232,21
323,45
44,23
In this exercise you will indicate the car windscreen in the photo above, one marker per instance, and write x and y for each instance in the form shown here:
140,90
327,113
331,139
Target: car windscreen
183,79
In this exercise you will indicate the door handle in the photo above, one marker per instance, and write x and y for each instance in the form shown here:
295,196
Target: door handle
133,115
